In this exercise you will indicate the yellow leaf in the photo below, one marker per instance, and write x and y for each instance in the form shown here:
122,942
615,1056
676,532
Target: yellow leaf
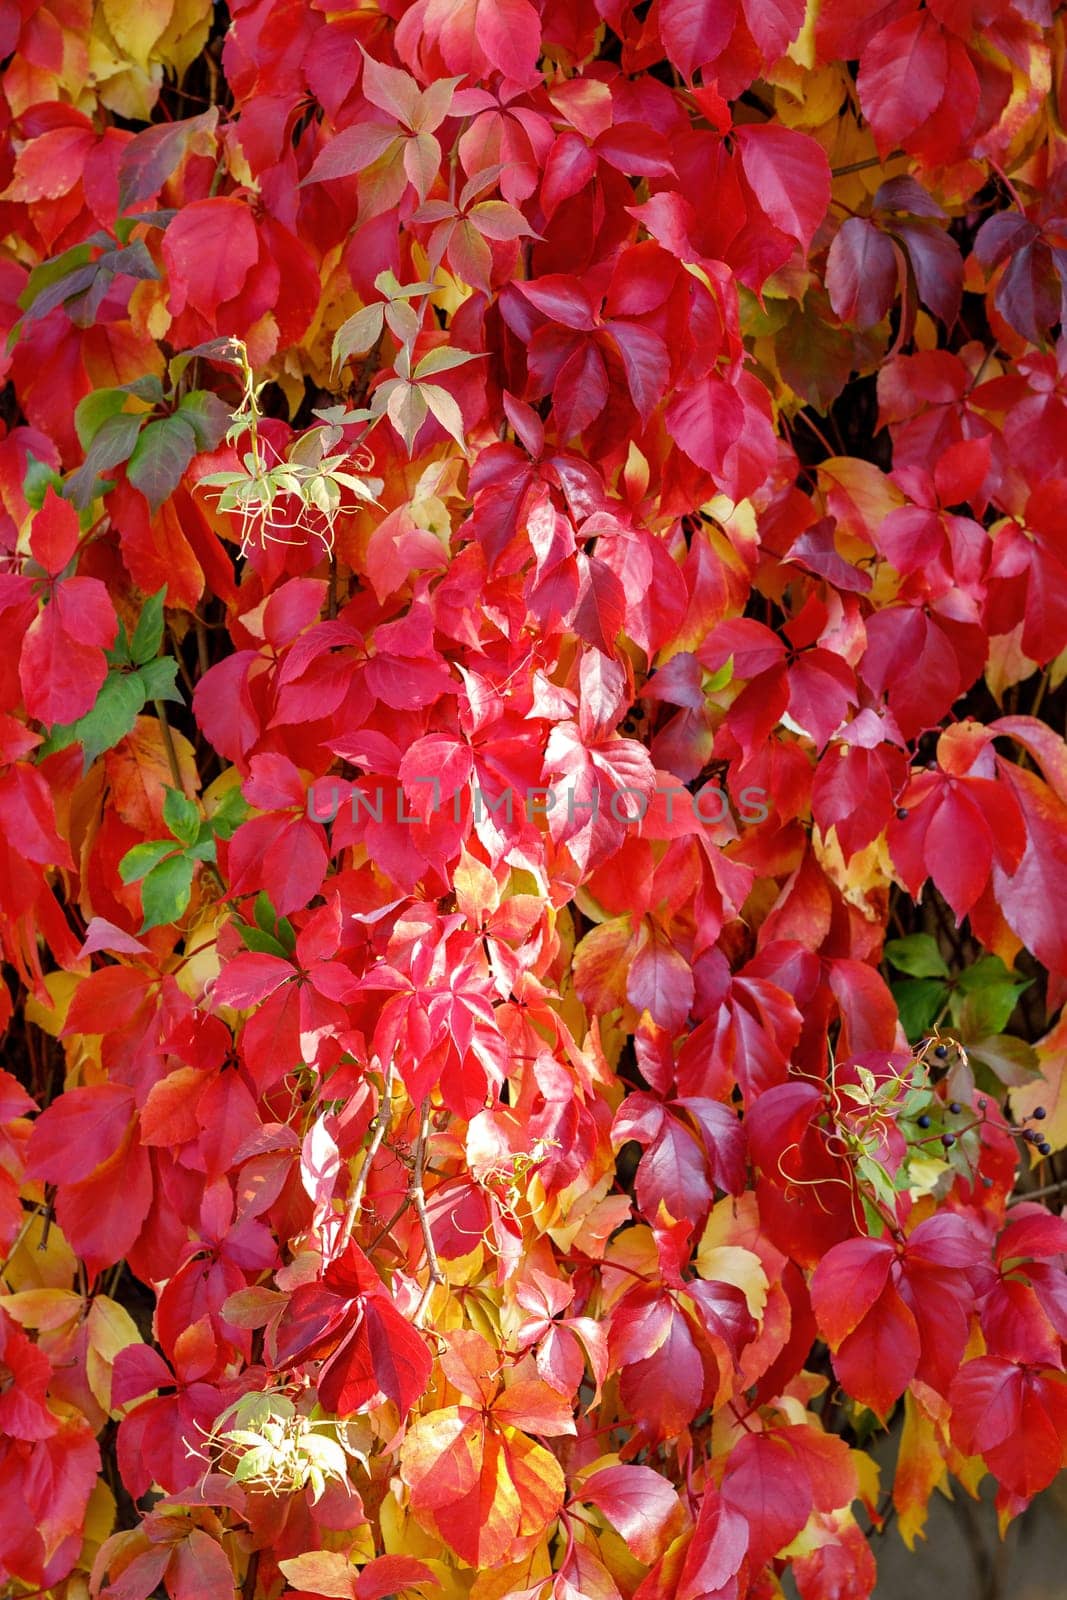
858,494
52,1019
99,1521
137,26
726,1263
138,771
326,1572
111,1329
186,34
919,1471
1049,1090
40,1260
45,1309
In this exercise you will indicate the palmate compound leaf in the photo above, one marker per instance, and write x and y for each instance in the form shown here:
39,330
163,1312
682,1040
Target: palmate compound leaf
477,1480
665,430
330,1573
368,1349
890,1313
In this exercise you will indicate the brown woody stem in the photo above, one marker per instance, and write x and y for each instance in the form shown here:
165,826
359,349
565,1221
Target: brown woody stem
418,1200
355,1199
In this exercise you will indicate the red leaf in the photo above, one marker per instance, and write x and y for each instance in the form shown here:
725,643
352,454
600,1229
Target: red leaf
789,175
695,32
903,77
60,676
877,1362
638,1502
861,273
716,1551
54,533
509,31
249,978
81,1129
386,1575
705,419
209,249
847,1284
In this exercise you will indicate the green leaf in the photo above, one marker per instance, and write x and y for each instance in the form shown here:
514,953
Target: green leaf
873,1217
207,415
38,480
165,892
918,1000
359,334
388,284
263,943
1012,1061
228,815
875,1176
202,849
917,955
148,634
984,971
181,815
112,717
92,411
287,935
119,654
987,1011
158,679
444,359
148,388
164,450
264,913
445,410
256,1464
115,441
140,860
713,682
916,1102
49,284
58,268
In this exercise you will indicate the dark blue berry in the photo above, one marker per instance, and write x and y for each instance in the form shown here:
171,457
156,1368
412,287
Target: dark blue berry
941,1051
902,813
1045,1148
955,1108
923,1121
948,1140
1040,1113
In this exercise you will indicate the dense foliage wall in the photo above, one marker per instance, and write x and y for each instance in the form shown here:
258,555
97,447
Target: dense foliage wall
533,813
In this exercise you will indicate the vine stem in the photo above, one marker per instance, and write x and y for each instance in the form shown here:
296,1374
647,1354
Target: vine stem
1038,1194
169,746
355,1199
248,1587
865,165
418,1200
